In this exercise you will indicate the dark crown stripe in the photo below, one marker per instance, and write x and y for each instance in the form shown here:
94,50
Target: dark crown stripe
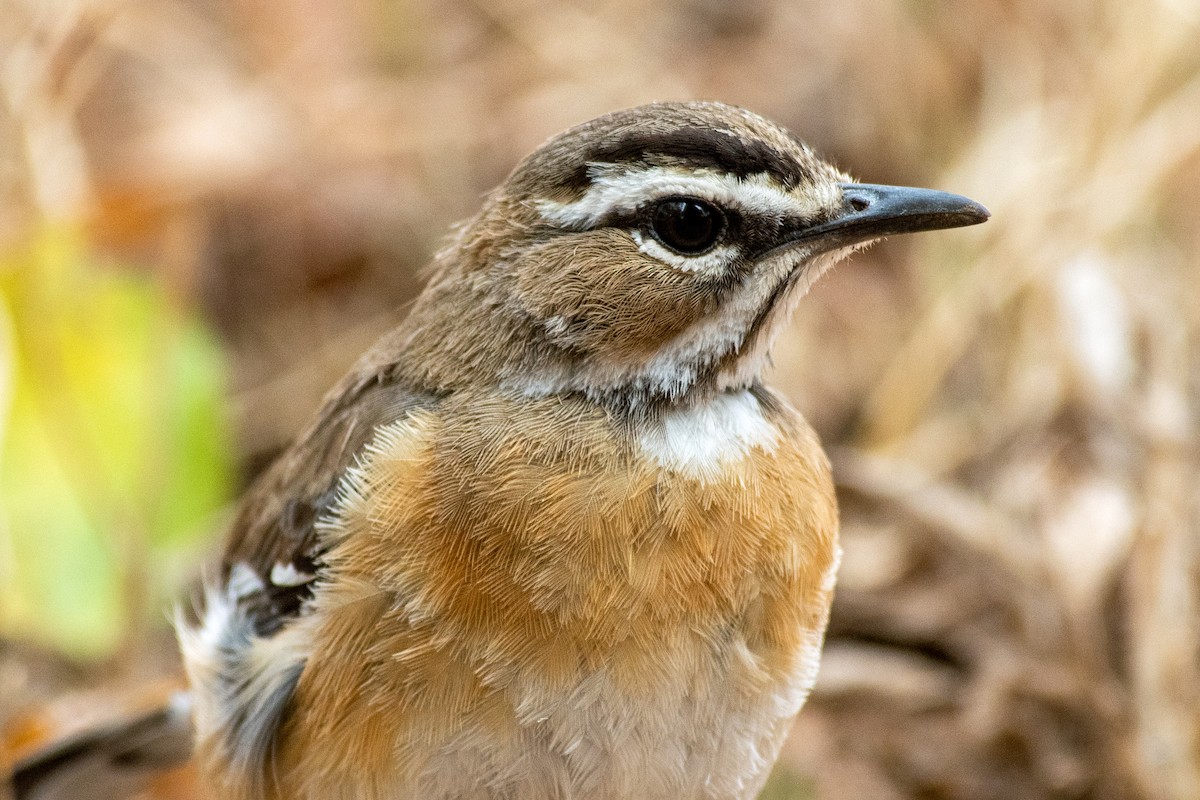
695,147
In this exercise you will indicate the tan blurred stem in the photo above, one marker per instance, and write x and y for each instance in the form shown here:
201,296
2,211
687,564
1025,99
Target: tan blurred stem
44,80
1100,199
1165,596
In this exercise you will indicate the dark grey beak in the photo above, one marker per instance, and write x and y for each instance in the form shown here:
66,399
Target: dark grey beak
871,211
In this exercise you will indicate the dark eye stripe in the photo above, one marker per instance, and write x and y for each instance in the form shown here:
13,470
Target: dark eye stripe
750,235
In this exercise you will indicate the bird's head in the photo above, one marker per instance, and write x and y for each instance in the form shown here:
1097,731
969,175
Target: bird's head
649,255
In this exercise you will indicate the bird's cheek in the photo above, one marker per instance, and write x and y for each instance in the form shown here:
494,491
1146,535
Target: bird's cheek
600,297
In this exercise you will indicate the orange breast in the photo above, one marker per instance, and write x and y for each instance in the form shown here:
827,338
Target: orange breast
489,558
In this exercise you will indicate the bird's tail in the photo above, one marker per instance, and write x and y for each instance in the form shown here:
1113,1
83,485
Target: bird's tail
108,762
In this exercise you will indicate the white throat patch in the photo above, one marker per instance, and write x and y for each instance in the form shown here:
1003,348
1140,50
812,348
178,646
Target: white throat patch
701,440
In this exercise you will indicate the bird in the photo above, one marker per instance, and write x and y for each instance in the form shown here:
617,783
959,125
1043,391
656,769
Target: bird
552,536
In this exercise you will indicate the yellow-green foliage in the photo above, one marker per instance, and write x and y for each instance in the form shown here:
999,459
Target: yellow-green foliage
787,785
115,453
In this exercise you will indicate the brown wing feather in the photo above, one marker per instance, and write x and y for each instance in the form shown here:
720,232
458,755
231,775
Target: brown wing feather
275,523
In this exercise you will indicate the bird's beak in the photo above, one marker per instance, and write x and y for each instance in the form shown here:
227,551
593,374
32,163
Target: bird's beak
871,211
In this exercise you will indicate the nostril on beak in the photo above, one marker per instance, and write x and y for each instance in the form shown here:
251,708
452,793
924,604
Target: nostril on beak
859,203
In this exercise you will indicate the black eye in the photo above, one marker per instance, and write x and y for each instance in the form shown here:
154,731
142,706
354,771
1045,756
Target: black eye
687,225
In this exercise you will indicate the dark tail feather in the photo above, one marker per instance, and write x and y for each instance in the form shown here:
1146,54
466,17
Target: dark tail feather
109,762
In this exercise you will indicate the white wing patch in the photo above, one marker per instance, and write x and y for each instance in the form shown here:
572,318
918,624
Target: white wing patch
243,582
288,575
241,682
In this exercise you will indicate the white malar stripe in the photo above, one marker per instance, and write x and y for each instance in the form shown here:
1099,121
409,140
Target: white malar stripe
753,360
676,365
702,440
615,188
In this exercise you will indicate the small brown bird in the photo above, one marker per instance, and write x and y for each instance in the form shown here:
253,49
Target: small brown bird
552,537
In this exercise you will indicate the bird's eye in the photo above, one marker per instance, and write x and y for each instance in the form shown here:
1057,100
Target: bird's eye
687,225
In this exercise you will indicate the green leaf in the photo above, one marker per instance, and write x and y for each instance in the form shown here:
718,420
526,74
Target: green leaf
787,785
115,453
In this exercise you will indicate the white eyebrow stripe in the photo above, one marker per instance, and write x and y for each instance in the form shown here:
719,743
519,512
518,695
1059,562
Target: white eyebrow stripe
614,189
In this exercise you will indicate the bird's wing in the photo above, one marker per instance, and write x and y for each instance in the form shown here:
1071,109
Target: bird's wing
274,533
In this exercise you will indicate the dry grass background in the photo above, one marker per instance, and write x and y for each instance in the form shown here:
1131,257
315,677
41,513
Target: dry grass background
1012,410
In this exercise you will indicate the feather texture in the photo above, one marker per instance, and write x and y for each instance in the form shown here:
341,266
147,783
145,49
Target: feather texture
522,603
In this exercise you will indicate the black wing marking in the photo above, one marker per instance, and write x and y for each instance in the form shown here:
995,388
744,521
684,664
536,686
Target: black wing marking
274,532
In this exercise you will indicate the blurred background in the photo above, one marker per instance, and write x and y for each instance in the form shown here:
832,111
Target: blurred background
208,209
